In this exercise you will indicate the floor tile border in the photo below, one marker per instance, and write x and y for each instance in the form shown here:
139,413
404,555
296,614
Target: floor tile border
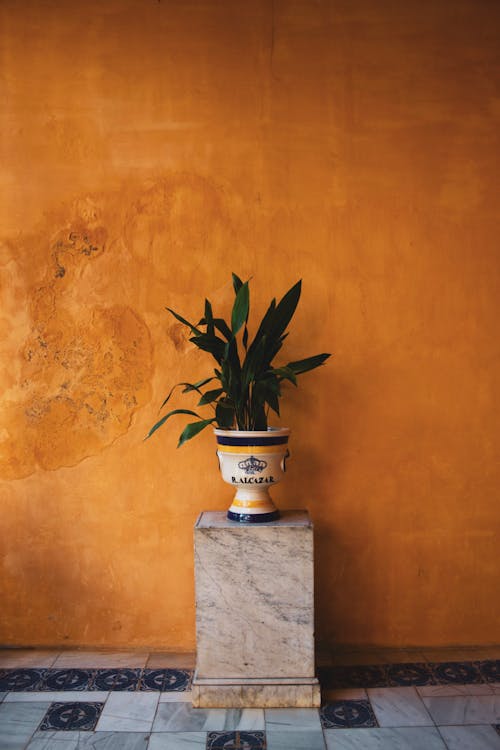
406,674
81,679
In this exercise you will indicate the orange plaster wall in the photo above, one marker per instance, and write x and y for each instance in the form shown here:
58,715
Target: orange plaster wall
149,148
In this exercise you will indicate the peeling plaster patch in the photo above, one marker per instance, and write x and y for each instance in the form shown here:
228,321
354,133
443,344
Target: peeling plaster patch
84,376
179,337
73,371
67,248
76,357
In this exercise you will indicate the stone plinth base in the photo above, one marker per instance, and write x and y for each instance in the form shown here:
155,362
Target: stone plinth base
256,694
254,613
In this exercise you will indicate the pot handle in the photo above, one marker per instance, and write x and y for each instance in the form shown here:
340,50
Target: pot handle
284,459
218,459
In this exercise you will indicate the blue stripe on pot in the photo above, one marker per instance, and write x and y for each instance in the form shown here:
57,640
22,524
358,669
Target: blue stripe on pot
251,441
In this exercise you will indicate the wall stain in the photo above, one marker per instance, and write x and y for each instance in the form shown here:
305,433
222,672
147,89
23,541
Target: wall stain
80,352
76,243
179,337
76,294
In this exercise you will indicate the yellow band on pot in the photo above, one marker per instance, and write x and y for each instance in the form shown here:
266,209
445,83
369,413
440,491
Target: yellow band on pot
248,450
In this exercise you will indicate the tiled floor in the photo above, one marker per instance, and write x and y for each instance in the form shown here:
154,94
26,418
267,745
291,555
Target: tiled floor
419,700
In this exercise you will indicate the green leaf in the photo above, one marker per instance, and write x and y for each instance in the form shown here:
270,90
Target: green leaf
272,384
192,429
267,391
273,400
310,363
231,369
240,308
231,356
285,373
254,361
223,327
212,344
224,413
167,416
264,324
196,386
259,418
170,393
187,387
210,396
184,322
257,352
237,283
285,310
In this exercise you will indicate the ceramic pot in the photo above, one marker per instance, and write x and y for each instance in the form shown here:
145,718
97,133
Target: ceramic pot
252,462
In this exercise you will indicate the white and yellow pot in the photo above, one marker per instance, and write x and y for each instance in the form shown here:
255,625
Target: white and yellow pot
252,461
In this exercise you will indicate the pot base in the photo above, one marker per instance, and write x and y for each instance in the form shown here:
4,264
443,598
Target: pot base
253,517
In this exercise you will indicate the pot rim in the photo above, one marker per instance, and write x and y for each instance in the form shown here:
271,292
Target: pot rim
271,431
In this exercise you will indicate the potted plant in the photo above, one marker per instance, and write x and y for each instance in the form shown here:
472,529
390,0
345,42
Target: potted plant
252,455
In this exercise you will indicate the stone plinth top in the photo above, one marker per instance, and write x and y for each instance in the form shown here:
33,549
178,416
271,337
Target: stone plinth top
218,520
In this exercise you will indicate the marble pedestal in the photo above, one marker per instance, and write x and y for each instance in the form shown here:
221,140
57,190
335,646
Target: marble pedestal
254,613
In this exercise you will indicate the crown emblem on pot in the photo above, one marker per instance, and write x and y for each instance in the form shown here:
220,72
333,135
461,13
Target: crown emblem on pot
252,465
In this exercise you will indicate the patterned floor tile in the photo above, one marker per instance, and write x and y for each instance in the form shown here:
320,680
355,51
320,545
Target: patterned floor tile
236,741
21,679
347,715
490,670
116,679
409,674
71,717
165,680
66,679
459,672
